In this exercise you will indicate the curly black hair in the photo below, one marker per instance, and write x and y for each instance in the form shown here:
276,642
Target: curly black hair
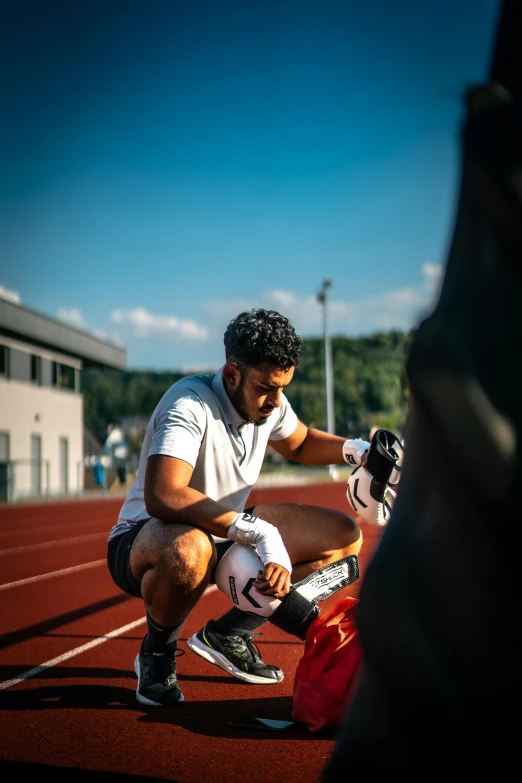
262,337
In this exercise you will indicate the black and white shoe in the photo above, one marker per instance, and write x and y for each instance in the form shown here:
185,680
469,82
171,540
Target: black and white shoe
237,655
157,682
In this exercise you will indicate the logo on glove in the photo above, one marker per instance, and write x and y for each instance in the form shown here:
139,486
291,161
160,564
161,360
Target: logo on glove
245,591
233,594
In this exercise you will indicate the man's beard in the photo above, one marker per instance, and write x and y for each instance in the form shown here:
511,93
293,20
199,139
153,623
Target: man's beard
238,400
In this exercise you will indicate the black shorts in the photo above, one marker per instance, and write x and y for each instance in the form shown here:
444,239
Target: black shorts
118,558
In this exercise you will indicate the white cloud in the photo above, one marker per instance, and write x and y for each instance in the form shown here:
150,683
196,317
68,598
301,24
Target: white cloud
433,278
400,308
10,296
141,332
284,298
432,271
144,324
72,316
285,302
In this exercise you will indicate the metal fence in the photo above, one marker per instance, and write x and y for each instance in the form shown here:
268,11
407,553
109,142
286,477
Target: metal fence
30,479
25,478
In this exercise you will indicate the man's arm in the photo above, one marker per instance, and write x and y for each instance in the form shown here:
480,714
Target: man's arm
168,497
311,447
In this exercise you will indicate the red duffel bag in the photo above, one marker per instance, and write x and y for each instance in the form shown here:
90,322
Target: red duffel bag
327,672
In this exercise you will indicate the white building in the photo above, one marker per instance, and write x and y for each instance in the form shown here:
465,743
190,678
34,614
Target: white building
41,405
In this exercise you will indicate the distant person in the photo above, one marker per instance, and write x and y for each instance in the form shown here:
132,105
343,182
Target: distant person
201,456
99,472
121,470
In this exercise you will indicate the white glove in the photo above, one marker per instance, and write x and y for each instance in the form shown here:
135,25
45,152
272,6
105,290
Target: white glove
395,475
354,450
370,499
371,491
264,537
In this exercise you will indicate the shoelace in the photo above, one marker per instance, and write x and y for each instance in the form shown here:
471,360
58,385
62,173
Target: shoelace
165,665
252,646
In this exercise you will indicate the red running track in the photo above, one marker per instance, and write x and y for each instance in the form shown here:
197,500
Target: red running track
67,683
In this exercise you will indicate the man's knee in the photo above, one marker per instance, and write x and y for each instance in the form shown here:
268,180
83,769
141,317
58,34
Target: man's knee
342,530
344,537
181,553
354,536
191,551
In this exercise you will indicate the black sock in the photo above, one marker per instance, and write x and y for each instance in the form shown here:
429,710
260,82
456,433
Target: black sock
160,637
295,614
236,623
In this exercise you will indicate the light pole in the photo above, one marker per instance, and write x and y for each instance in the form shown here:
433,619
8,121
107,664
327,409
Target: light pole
322,298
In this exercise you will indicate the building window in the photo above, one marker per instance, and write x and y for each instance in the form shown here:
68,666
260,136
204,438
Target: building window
36,465
4,467
64,466
4,361
36,368
66,377
63,376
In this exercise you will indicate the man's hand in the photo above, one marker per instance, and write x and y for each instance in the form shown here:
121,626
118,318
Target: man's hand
273,580
266,538
355,451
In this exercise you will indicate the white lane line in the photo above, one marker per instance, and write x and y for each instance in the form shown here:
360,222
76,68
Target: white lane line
61,658
57,527
30,579
78,650
51,544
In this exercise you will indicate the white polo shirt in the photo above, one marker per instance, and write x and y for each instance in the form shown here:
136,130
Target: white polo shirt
196,422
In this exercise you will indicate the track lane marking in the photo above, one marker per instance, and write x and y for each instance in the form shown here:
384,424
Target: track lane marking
49,544
78,650
57,527
40,577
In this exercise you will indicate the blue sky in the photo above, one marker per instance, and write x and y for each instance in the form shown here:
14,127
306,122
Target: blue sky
166,165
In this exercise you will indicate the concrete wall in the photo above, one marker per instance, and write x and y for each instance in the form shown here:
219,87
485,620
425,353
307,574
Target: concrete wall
26,410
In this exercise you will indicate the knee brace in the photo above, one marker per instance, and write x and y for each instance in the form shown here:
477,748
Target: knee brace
237,572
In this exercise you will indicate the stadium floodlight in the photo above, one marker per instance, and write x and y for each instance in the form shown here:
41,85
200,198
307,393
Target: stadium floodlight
322,298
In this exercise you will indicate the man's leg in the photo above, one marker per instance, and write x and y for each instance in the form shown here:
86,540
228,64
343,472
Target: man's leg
172,566
314,537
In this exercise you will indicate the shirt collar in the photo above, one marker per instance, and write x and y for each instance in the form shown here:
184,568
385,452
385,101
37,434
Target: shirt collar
218,387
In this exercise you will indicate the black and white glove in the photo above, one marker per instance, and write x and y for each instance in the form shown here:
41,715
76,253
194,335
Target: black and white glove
371,491
354,451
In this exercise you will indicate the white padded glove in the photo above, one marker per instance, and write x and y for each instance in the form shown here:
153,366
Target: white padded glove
354,451
371,500
371,491
264,537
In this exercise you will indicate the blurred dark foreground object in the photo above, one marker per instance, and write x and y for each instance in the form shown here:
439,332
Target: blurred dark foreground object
439,610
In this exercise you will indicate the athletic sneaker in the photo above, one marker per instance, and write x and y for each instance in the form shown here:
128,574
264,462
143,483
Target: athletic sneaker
157,683
237,655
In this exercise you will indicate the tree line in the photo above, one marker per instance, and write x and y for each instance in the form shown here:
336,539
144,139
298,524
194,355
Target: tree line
368,375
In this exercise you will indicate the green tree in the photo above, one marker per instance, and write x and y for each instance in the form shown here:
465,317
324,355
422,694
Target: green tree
370,386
